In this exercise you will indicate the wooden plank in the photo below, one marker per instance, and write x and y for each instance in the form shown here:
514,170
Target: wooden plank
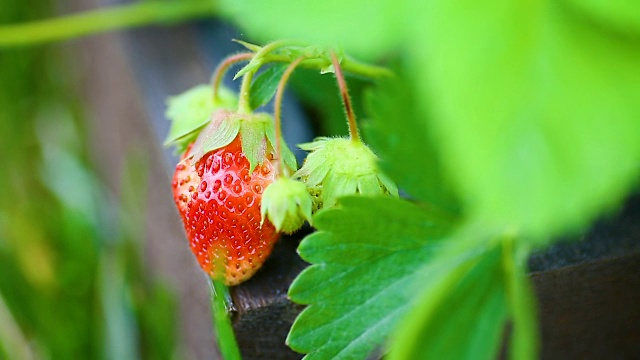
263,313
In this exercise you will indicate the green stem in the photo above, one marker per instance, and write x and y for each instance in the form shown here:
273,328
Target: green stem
101,20
272,46
278,109
244,105
354,66
344,92
348,65
317,60
220,306
222,69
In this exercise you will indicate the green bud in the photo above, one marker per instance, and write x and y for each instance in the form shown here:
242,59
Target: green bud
287,204
338,167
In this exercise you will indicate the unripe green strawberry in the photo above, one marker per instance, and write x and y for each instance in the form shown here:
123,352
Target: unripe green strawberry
287,204
338,167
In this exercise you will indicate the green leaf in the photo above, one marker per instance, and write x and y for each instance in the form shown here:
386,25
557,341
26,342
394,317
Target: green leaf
536,110
402,139
621,15
366,28
366,256
265,84
461,316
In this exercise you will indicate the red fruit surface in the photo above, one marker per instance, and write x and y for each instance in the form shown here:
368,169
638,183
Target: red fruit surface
219,203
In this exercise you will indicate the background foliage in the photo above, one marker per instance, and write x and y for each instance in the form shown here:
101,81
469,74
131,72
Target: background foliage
72,285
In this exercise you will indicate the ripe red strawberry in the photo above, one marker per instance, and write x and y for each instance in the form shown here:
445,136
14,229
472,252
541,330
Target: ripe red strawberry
219,202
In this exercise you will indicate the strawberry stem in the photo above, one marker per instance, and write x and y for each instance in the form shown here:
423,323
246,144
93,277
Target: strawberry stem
346,100
221,305
244,106
318,60
278,110
221,70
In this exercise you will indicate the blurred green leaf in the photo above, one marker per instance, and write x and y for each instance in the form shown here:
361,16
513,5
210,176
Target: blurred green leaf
620,15
57,218
265,84
190,111
535,109
366,28
398,134
525,339
461,315
367,257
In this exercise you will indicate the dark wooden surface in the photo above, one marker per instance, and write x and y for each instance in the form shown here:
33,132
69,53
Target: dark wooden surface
588,290
264,313
591,310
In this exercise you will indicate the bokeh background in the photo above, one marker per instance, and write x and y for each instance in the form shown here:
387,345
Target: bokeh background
93,262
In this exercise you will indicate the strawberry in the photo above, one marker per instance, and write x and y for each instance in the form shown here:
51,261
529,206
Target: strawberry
219,203
218,191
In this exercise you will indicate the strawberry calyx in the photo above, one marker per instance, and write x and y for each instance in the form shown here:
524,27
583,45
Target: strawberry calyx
191,110
257,134
287,204
337,167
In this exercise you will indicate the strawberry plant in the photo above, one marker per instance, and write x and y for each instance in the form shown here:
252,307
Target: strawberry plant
504,125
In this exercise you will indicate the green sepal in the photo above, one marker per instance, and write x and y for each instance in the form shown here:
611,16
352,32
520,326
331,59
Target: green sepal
288,157
287,204
253,66
249,46
257,134
220,132
336,185
190,111
339,166
253,133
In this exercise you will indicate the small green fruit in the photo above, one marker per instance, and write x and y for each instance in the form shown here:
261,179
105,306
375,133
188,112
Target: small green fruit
338,167
287,204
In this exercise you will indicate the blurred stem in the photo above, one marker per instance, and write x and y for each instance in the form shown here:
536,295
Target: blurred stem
220,306
247,73
349,65
222,69
278,110
244,106
101,20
